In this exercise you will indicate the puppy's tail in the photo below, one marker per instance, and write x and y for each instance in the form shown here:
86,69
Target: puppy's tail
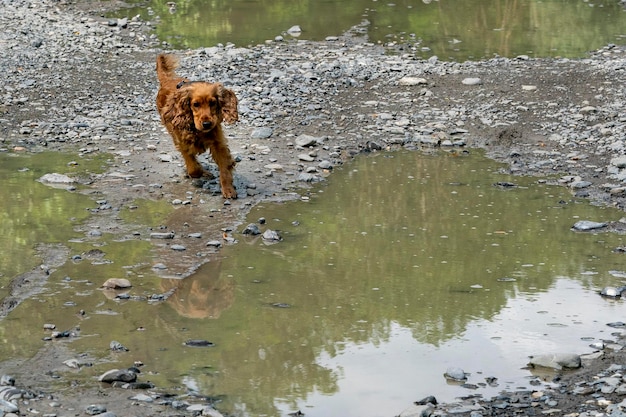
165,67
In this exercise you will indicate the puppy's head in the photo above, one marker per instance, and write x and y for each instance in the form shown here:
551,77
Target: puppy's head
203,106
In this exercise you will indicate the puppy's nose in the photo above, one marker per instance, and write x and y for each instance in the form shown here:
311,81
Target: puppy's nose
207,125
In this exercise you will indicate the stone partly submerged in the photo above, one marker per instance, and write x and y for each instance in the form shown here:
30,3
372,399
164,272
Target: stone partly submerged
556,361
455,374
612,292
586,225
55,178
116,283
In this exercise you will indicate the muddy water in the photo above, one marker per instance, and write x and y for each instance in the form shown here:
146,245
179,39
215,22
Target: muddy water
451,29
398,267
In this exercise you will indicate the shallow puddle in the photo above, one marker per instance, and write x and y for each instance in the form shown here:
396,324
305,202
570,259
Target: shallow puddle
451,29
35,213
400,266
406,264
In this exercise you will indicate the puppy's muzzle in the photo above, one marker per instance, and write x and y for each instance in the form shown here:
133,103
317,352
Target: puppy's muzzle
207,125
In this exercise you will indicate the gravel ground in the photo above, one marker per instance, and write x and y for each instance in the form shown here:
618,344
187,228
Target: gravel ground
74,81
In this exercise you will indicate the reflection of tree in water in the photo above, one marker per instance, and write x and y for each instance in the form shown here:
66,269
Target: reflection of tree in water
484,28
393,244
408,241
37,213
204,294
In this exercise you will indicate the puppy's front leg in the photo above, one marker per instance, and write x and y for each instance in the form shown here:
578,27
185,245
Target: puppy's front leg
226,164
194,169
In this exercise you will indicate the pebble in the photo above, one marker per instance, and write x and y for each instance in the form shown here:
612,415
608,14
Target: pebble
274,167
162,235
307,141
117,283
7,380
612,291
471,81
271,236
95,409
262,133
123,375
251,229
411,81
117,346
456,374
142,398
55,178
557,361
586,225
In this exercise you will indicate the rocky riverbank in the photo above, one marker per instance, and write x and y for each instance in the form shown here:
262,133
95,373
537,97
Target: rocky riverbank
74,81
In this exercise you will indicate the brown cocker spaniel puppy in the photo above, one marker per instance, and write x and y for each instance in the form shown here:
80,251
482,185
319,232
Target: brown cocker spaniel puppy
192,112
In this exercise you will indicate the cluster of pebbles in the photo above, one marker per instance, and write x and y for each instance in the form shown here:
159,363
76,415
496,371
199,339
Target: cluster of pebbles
75,81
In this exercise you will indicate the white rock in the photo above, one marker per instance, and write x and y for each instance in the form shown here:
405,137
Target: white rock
585,225
619,162
456,374
410,81
295,30
274,167
588,109
307,140
472,81
8,407
117,283
55,178
143,398
557,361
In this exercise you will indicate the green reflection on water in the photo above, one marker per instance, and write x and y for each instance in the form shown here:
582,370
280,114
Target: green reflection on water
146,212
450,29
403,240
395,242
34,213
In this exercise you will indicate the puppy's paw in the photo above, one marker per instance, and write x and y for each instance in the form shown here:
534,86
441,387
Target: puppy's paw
229,192
196,172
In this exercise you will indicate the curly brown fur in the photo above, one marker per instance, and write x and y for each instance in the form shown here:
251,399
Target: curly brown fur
193,113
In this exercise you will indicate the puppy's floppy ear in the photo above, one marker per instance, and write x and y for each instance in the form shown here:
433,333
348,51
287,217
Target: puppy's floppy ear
228,102
177,109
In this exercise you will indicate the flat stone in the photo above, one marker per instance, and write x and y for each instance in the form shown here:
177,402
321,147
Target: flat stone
585,225
55,178
115,283
262,133
471,81
306,140
411,81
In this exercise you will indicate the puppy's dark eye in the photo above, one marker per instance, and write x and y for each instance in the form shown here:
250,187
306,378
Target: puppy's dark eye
195,104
